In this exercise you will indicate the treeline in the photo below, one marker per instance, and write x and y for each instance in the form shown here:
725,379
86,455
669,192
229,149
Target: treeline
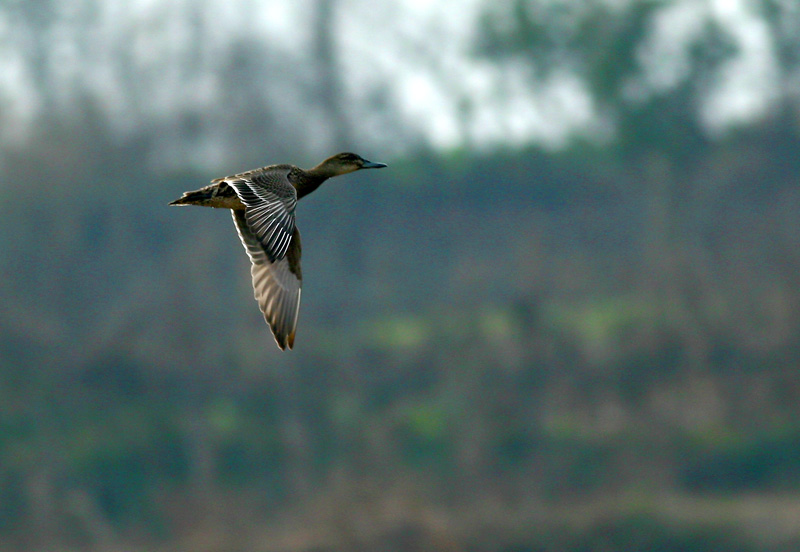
503,328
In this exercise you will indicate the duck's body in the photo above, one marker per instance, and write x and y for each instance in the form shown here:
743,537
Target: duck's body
262,202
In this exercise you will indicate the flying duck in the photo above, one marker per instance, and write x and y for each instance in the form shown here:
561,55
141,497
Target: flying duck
262,202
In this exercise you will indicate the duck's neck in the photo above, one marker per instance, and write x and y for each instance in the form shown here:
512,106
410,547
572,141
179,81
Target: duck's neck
310,180
324,170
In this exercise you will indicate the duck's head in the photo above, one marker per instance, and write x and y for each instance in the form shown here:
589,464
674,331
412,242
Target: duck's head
343,163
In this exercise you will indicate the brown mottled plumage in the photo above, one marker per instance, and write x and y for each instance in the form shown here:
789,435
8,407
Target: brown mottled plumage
262,202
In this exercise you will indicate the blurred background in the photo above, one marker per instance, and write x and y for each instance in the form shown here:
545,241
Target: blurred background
566,317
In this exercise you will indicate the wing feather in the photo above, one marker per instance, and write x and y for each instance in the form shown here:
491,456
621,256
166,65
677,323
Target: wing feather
270,201
276,283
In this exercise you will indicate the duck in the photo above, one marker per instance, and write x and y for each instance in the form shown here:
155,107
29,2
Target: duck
262,203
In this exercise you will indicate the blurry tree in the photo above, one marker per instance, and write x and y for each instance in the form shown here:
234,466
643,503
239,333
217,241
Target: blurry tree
783,20
36,20
657,127
329,89
604,45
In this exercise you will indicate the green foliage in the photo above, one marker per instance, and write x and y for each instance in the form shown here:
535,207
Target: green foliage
650,533
632,532
525,333
757,462
596,39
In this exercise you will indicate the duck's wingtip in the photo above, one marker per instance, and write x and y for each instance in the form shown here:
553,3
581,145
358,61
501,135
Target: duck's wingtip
283,341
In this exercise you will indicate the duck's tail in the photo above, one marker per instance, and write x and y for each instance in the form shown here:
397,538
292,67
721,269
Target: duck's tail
216,195
199,197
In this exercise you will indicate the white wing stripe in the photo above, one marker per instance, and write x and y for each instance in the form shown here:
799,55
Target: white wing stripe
270,200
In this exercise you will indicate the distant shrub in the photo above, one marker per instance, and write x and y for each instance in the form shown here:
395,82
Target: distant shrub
753,464
634,533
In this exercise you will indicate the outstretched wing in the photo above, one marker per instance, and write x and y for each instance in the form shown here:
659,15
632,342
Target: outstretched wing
270,201
276,284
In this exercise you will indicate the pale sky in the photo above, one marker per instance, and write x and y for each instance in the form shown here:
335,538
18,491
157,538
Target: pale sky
419,50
